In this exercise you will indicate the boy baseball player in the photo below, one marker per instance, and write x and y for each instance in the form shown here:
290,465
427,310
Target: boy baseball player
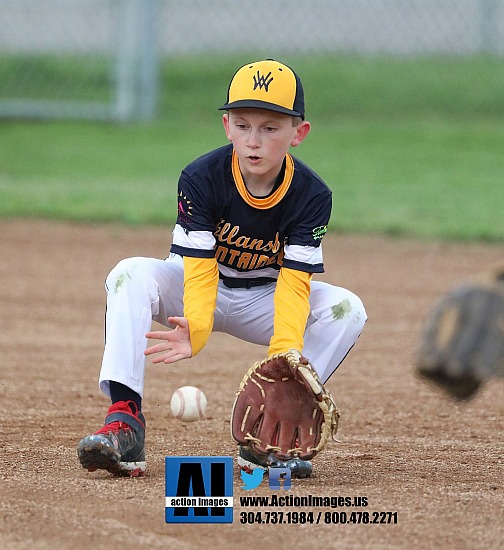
247,241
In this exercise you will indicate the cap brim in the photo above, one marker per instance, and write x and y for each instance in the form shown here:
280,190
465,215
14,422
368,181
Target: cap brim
254,104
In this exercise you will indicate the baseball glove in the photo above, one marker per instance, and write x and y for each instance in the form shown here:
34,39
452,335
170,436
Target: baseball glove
282,409
462,344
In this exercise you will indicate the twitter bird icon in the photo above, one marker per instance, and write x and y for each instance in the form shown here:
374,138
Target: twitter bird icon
253,480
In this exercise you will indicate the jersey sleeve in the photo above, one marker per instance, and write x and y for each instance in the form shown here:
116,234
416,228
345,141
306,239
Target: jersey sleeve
292,306
303,258
201,278
194,240
193,231
303,249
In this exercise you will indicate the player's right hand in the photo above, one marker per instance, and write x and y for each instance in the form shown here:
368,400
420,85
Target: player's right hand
175,344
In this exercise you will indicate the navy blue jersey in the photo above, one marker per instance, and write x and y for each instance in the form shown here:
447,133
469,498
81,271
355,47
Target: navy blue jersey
249,236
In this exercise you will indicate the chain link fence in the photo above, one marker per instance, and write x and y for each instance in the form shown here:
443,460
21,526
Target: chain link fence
395,27
91,59
100,58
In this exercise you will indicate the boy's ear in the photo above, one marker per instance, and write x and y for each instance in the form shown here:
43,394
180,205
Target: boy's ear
225,122
302,130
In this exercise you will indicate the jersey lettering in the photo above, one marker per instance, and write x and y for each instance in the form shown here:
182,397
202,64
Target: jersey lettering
250,234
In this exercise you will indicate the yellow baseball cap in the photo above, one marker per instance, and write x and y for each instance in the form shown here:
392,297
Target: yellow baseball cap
266,85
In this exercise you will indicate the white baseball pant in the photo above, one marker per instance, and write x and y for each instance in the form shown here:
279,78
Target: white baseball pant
140,290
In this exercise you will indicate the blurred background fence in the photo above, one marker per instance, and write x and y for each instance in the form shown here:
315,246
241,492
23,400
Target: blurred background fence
102,59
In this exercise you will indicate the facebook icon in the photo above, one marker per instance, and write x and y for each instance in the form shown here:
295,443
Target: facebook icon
277,474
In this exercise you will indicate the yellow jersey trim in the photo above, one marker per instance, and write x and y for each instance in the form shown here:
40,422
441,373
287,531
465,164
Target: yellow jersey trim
263,203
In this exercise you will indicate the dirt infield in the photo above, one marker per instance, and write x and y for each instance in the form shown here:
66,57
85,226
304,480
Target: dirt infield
404,445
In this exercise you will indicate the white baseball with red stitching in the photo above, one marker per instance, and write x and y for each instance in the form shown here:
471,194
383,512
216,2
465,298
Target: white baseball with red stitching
188,404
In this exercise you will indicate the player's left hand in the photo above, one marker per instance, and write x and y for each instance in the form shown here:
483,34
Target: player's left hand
175,345
282,409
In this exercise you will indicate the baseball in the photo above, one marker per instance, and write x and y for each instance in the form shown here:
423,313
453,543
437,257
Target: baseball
188,404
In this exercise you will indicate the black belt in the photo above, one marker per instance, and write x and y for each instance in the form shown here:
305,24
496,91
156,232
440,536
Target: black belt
233,282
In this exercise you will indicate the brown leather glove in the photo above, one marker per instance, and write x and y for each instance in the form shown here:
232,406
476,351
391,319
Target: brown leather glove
281,408
462,343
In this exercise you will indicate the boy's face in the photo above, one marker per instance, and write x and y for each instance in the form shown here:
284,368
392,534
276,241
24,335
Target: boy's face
261,139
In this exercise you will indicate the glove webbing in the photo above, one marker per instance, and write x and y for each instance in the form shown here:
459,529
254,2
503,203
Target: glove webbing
325,401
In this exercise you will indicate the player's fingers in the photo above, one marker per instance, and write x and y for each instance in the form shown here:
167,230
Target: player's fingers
174,358
156,348
174,352
180,322
159,359
159,335
168,357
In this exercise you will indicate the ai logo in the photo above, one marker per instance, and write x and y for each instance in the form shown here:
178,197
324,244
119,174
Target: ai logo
199,489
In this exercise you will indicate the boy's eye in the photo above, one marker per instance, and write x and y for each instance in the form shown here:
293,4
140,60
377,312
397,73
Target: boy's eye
270,129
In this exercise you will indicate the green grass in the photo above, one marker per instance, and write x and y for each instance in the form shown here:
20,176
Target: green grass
409,147
48,77
424,177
